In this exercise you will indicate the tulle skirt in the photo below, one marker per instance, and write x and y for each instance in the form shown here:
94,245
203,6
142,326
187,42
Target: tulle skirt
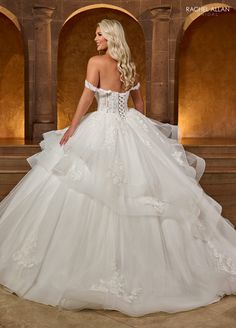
116,219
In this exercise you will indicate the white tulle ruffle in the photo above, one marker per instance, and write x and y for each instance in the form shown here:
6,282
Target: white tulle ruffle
116,219
117,161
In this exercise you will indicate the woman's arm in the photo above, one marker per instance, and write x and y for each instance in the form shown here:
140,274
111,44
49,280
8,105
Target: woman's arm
86,98
137,99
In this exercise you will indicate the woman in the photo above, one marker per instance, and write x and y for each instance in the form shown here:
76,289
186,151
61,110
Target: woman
111,215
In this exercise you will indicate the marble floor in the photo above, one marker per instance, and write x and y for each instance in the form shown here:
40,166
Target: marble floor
19,313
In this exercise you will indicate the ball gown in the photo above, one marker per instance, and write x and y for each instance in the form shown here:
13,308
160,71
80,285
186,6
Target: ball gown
116,219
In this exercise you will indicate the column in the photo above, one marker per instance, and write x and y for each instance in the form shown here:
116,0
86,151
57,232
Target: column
43,116
160,63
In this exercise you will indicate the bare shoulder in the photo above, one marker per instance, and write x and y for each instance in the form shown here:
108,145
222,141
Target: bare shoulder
94,60
93,69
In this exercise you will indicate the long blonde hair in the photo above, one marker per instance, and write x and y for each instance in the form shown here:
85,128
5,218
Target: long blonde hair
118,49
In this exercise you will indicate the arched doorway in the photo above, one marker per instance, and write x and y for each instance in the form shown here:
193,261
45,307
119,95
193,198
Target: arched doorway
11,77
207,74
76,46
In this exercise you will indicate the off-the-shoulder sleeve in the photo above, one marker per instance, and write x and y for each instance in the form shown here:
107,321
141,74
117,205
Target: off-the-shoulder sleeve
136,87
90,86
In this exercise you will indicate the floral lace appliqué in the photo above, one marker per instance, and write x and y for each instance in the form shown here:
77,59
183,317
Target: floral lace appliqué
77,170
123,129
25,256
117,286
117,173
224,262
199,231
110,137
141,122
157,204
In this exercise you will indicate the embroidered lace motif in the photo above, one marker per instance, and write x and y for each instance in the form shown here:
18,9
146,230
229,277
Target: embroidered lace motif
110,137
141,122
223,262
117,286
199,231
123,128
117,173
25,256
77,170
157,204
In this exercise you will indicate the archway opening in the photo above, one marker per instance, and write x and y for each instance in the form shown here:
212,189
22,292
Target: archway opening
207,74
76,46
11,77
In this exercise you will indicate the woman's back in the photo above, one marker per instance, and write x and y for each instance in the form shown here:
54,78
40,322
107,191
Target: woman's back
109,75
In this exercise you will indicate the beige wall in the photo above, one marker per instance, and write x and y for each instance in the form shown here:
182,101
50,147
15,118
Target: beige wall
11,80
207,77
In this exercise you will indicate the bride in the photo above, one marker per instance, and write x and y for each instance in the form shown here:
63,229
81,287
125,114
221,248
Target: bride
111,214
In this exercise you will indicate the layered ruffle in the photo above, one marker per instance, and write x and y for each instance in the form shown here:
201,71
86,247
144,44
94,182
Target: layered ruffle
126,165
116,219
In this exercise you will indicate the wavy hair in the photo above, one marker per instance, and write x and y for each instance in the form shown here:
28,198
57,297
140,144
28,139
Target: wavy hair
113,32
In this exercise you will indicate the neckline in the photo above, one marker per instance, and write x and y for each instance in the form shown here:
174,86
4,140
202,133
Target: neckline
106,90
122,93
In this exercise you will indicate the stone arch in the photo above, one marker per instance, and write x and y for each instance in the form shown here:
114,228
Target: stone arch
206,108
10,16
90,7
199,11
75,48
11,76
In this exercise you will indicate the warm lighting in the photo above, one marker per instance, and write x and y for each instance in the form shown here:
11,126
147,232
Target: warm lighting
12,77
207,77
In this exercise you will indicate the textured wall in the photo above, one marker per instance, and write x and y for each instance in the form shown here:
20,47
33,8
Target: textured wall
76,46
142,10
207,77
11,80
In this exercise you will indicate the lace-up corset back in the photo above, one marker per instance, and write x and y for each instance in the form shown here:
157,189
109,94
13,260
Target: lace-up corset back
111,101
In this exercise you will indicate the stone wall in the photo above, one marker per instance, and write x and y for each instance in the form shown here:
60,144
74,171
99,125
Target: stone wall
41,22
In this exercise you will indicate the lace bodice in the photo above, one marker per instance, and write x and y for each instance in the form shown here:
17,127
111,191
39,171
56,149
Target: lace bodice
111,101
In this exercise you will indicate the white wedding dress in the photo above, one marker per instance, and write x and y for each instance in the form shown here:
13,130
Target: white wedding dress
116,219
